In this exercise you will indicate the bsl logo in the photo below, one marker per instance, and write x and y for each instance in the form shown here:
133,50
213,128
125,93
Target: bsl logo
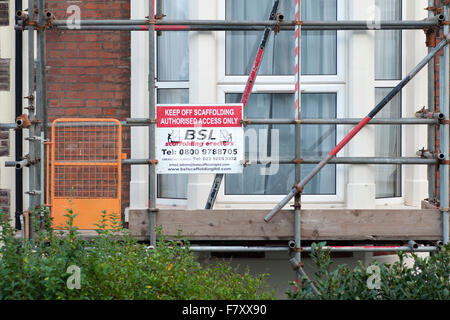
200,135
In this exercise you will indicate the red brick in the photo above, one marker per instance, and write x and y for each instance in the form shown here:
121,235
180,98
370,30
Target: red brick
68,71
109,112
90,78
91,70
56,111
72,102
54,103
109,103
90,95
91,103
91,46
71,111
91,37
89,111
89,62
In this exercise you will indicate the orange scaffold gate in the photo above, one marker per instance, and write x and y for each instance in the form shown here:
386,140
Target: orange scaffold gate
84,167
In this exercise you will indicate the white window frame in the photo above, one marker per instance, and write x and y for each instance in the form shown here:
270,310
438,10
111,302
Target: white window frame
285,84
339,90
341,50
391,84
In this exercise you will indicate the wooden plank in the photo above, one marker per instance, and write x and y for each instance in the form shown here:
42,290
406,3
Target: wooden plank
329,224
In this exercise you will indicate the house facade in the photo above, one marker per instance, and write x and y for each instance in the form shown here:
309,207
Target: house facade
343,75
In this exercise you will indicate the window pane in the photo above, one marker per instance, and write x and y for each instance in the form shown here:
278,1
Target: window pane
318,47
319,56
316,142
388,144
388,43
173,46
173,186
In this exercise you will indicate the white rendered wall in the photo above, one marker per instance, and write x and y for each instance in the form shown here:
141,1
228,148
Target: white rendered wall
202,86
7,105
415,96
360,189
139,108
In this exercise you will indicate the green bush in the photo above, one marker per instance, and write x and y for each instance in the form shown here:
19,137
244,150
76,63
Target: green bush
113,266
428,278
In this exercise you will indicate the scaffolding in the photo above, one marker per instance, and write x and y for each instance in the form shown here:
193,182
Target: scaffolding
37,18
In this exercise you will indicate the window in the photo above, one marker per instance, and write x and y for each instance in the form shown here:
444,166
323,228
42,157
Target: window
388,43
388,70
173,84
316,141
388,144
273,96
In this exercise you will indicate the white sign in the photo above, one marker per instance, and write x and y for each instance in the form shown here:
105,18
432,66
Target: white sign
199,139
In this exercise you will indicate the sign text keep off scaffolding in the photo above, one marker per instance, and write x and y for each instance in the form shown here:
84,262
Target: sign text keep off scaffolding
199,139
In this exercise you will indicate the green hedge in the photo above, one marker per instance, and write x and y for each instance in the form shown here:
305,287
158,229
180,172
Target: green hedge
427,279
112,267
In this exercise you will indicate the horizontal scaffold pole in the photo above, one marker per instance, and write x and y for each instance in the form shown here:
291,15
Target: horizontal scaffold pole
309,249
342,121
138,122
230,25
313,160
298,188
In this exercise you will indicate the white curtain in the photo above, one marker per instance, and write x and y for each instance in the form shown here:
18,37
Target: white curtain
388,43
318,47
173,185
319,50
316,141
388,144
173,46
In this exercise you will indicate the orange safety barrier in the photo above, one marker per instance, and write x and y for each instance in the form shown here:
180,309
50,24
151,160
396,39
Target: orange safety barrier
85,170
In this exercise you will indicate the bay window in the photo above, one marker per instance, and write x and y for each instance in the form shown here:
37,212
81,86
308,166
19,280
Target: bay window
323,93
273,96
388,72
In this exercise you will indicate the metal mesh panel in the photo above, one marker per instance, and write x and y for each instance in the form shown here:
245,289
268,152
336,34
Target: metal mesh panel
86,141
86,181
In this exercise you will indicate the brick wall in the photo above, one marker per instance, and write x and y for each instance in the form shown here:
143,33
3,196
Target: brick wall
4,13
89,71
4,200
4,143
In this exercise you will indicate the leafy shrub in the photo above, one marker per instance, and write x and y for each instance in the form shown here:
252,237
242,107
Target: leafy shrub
113,266
428,278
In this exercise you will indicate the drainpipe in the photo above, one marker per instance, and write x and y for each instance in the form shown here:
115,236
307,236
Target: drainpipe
18,112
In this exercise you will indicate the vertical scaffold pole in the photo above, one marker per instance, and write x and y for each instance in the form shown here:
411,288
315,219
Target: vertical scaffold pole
444,135
41,101
298,106
431,171
297,262
41,94
152,114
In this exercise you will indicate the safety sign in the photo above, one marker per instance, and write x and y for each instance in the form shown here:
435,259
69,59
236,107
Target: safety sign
193,139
